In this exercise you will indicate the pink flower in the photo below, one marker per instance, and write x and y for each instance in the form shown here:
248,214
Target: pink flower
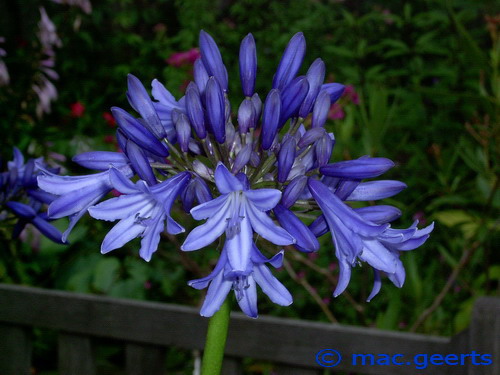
351,94
77,109
178,59
336,112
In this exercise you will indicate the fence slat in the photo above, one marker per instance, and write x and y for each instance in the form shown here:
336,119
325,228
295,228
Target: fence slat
145,359
232,366
76,356
485,335
279,340
288,370
15,350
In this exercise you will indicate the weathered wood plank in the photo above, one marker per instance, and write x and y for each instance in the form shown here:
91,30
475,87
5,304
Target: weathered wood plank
275,339
484,336
76,356
15,350
288,370
145,359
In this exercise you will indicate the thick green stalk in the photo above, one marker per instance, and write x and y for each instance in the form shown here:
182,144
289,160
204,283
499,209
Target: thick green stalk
215,343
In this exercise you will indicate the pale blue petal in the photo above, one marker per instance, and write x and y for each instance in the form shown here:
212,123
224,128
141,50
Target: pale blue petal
271,286
208,209
121,183
225,181
101,160
123,232
378,256
239,248
204,281
264,199
398,277
207,233
121,207
217,292
248,300
263,225
374,190
331,205
344,277
174,227
151,237
377,284
78,200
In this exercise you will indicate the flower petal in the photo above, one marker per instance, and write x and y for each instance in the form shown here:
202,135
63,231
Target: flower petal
263,199
248,298
217,293
374,190
225,181
263,225
271,286
123,232
207,233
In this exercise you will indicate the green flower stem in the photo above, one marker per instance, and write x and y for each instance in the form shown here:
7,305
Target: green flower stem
216,341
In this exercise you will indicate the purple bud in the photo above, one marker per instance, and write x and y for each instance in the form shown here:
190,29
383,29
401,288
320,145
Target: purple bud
200,75
334,89
254,159
293,191
286,157
227,109
194,110
140,163
375,190
28,173
324,148
248,65
257,103
321,108
183,129
292,97
246,116
202,170
364,167
22,210
139,99
202,191
315,76
187,196
311,136
290,61
101,160
138,133
194,147
242,158
270,118
121,139
379,214
306,241
319,226
215,107
212,59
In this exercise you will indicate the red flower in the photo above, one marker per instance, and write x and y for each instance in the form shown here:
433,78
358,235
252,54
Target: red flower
110,120
77,109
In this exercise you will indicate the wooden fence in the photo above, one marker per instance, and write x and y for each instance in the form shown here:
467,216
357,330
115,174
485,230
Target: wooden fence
148,328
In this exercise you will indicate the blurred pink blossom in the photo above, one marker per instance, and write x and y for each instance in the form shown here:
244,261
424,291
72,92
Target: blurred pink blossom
336,112
77,109
178,59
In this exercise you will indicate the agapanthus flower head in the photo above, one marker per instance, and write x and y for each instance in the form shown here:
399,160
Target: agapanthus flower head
253,173
21,197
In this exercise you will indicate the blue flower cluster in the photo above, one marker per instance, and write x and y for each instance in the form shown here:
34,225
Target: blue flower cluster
21,201
252,180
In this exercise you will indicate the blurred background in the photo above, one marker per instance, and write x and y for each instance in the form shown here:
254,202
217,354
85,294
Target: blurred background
423,89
